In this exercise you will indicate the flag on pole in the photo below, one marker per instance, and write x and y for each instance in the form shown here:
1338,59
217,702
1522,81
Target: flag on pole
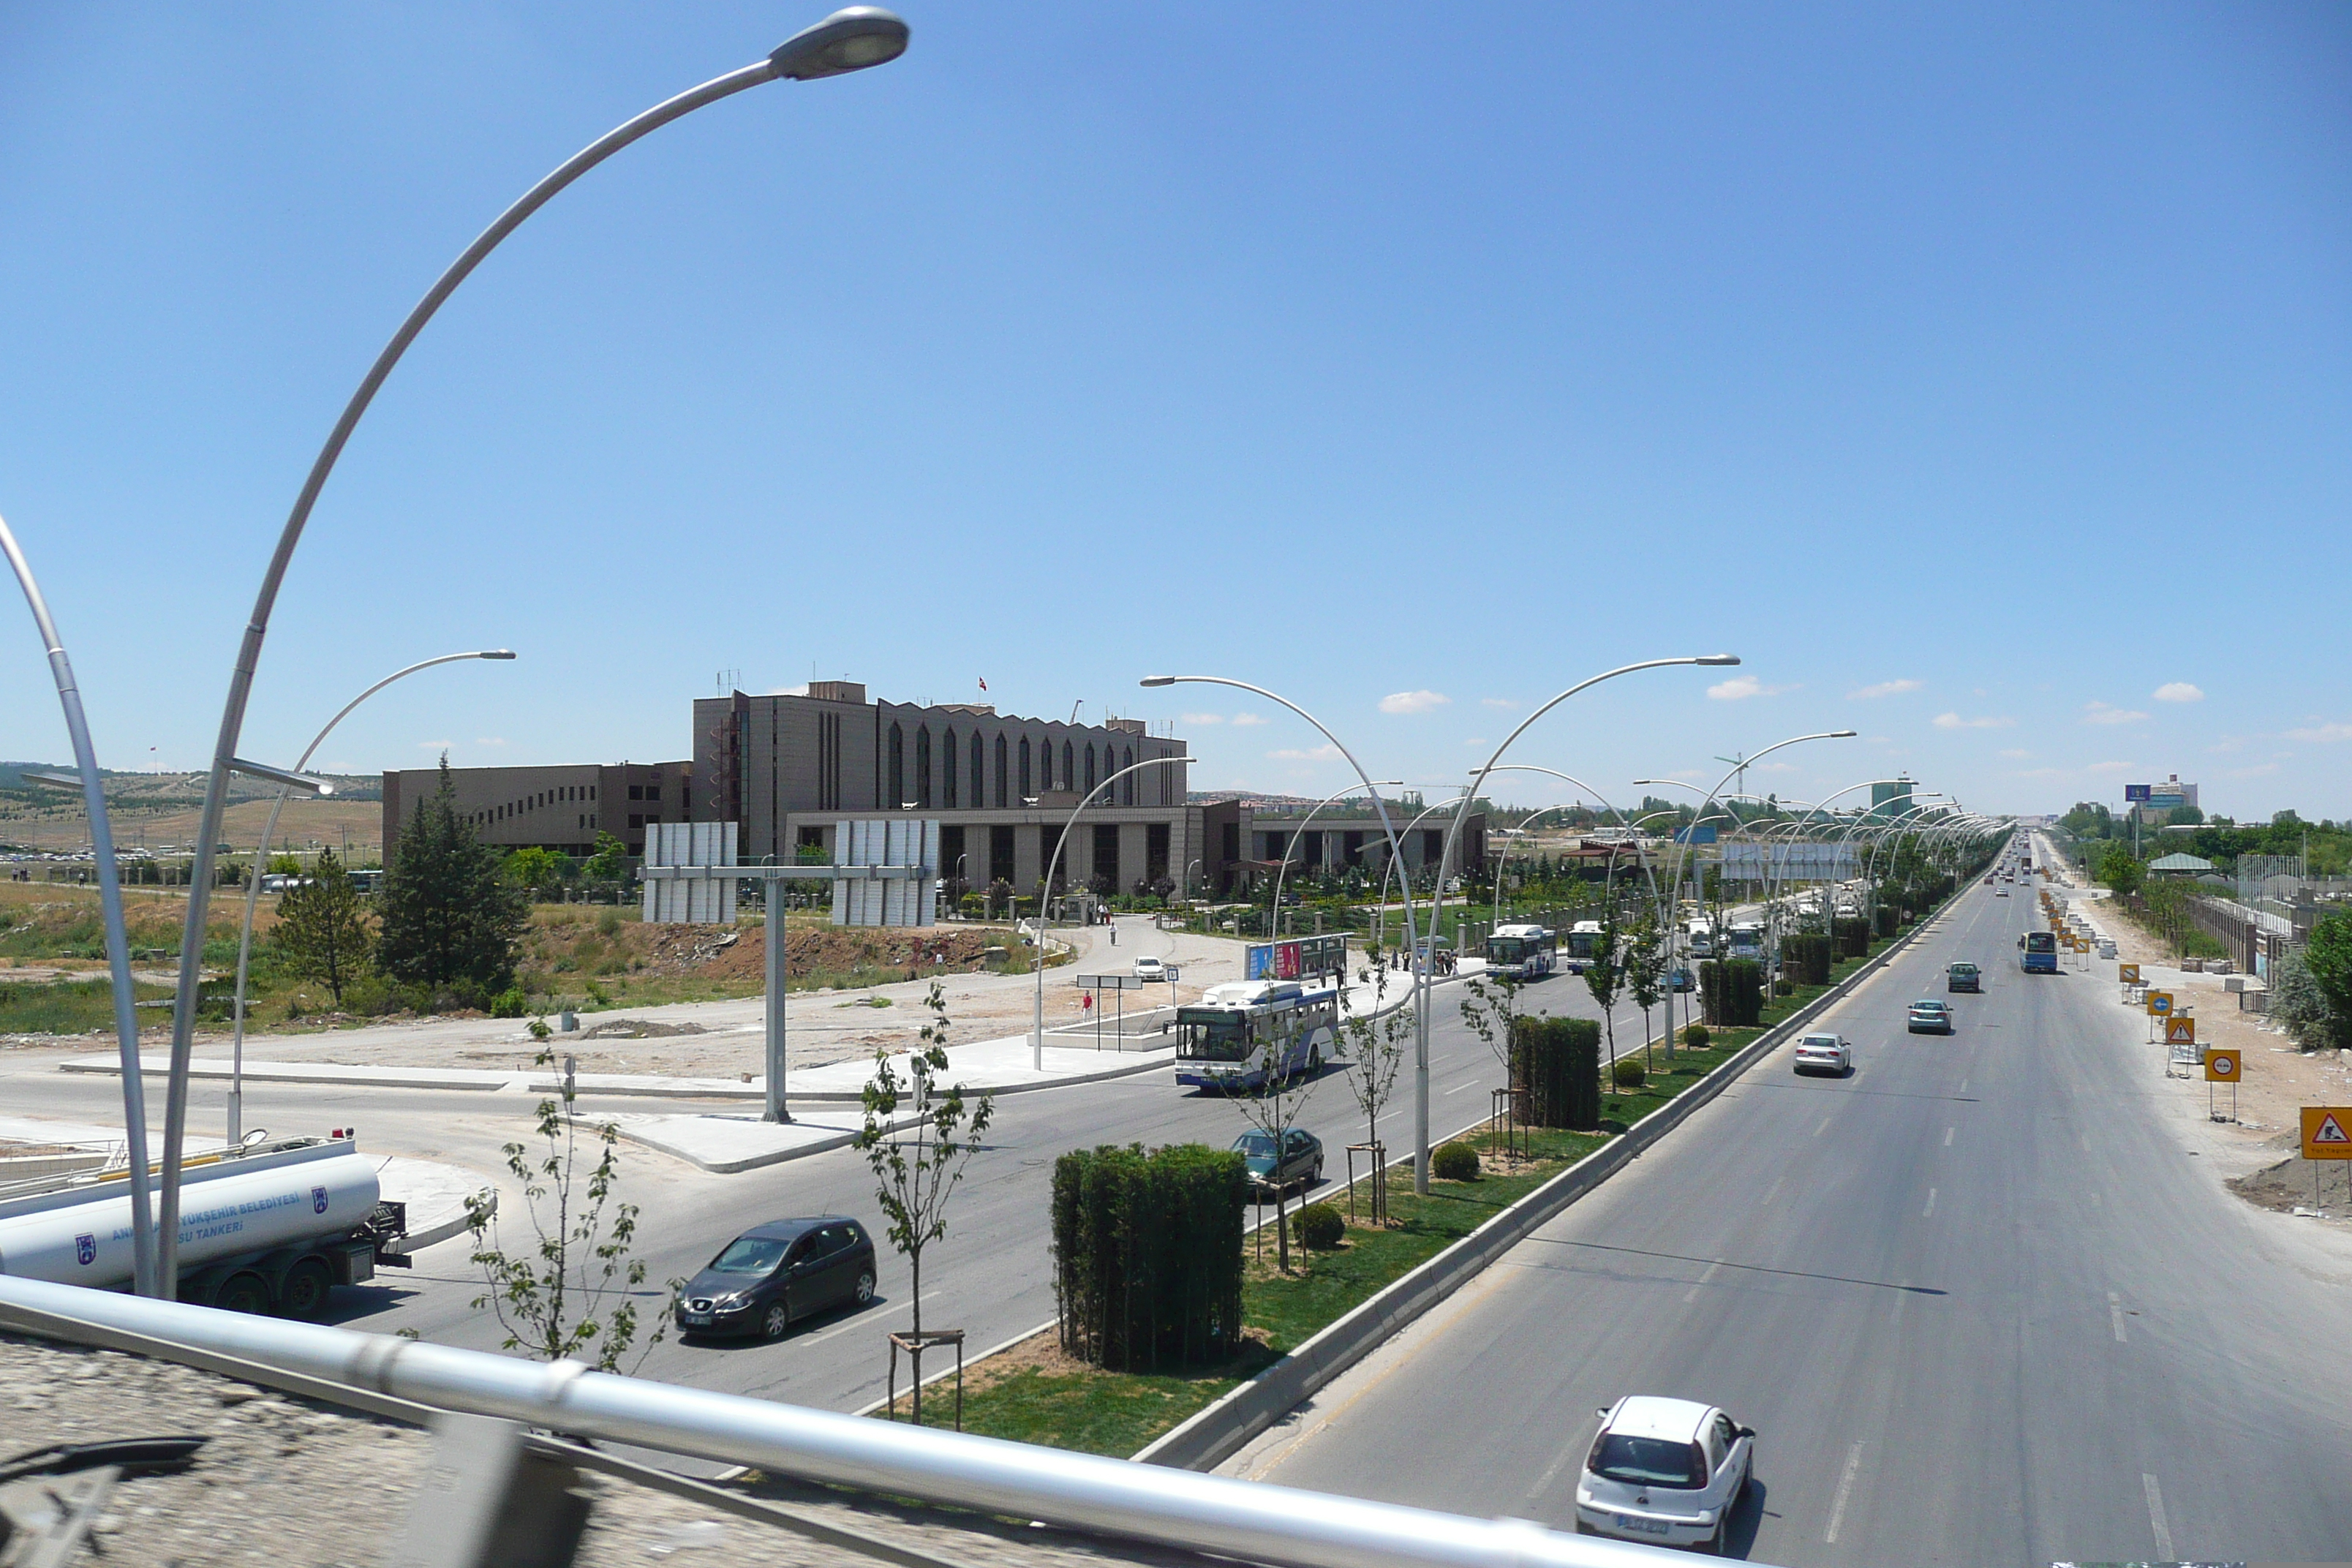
984,684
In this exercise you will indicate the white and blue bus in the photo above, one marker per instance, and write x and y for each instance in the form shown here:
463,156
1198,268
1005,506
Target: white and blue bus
1241,1036
1583,945
1522,952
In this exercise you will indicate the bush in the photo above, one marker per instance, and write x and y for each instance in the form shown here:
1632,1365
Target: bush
1556,1072
1784,987
1630,1073
1320,1226
1852,937
1732,991
1454,1162
1806,957
1696,1037
1148,1254
510,1004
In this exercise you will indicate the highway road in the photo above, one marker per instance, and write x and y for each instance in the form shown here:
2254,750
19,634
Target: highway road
990,1276
1979,1300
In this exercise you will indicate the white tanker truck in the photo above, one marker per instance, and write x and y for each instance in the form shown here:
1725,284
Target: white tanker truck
271,1227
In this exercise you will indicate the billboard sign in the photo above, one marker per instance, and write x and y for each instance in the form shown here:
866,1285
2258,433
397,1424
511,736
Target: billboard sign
2135,794
1296,958
1697,835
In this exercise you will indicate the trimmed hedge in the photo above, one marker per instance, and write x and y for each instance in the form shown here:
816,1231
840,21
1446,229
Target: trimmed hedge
1888,918
1318,1226
1630,1073
1148,1254
1695,1036
1852,937
1732,991
1454,1162
1806,958
1556,1072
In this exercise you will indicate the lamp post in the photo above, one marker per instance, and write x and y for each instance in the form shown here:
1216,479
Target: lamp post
848,40
1445,867
253,883
109,900
1046,894
1274,919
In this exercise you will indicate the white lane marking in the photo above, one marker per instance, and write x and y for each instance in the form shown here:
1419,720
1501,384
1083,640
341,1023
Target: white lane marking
1928,1213
1902,1298
1822,1128
1947,1136
1774,1190
2095,1200
2115,1322
1455,1091
862,1320
1845,1489
1964,1085
2086,1142
2156,1517
1566,1454
1692,1294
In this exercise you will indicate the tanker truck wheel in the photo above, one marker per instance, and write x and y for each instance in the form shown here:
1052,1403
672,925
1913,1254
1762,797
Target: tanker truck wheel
303,1292
243,1293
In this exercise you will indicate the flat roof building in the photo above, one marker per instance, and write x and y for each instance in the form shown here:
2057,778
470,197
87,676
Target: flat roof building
561,806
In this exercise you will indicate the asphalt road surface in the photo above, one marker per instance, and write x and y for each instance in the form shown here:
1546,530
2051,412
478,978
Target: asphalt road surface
990,1276
1980,1303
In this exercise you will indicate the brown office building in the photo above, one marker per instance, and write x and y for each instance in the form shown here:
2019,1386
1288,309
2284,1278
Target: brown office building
560,808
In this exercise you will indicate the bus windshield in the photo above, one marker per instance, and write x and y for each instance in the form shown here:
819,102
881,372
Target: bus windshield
1212,1034
2041,942
1506,949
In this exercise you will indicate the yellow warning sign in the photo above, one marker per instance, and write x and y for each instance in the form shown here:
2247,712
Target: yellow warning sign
2327,1132
2220,1065
2159,1003
2127,973
2181,1031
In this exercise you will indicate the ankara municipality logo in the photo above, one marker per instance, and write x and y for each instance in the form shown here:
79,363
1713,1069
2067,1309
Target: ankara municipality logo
86,1250
318,1200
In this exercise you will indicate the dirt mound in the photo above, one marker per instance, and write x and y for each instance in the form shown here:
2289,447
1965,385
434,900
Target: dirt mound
638,1029
2288,1185
817,950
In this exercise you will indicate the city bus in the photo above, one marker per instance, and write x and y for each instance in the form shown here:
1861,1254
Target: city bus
2038,952
1583,945
1522,952
1243,1035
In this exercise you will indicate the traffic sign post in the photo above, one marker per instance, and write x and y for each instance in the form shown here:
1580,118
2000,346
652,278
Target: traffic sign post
2222,1066
2326,1135
1093,984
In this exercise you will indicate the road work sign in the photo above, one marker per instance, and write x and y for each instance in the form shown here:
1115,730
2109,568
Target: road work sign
2220,1065
2181,1031
2327,1132
2159,1003
2127,973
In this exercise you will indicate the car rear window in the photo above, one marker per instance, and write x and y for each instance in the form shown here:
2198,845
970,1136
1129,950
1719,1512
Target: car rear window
1647,1461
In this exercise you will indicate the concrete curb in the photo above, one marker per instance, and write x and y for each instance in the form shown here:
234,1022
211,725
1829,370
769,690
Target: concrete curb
1220,1430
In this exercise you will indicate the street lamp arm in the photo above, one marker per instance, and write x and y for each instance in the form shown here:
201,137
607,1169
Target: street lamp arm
1046,888
1275,919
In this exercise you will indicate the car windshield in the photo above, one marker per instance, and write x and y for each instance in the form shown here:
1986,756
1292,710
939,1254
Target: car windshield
1827,1042
1647,1461
1258,1143
750,1255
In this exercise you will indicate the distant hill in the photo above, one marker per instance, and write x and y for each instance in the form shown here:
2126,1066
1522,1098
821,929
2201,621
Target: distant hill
162,791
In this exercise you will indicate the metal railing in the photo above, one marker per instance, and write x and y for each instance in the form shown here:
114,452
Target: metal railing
1270,1524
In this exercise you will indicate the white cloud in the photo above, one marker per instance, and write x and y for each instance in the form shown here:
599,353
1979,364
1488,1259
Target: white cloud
2225,744
1773,768
1689,775
1982,721
1322,753
2016,755
2039,774
1197,719
1885,688
1414,702
1496,702
2178,692
1475,740
2331,731
1243,721
799,690
1739,688
2102,713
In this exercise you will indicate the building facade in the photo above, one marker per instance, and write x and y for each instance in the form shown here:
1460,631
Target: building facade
560,808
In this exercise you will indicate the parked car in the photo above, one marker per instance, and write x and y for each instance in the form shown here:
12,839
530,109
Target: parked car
1963,976
775,1274
1667,1471
1825,1053
1300,1163
1149,968
1931,1016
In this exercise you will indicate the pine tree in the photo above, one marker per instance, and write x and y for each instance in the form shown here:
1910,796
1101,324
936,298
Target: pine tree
323,932
452,919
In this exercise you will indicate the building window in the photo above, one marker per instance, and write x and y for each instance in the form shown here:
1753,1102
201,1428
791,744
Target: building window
653,791
947,771
1000,773
637,819
1090,768
923,766
979,797
896,777
1069,767
637,792
999,852
1126,788
591,792
1024,767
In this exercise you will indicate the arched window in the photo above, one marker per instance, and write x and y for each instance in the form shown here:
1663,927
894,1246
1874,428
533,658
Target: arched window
1000,770
978,796
947,771
923,767
1069,767
1127,790
1024,767
1090,767
897,777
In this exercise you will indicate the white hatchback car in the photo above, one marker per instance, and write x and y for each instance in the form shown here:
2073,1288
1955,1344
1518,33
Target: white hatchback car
1149,968
1825,1053
1664,1470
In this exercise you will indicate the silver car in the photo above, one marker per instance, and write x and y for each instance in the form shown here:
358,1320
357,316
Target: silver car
1824,1053
1667,1471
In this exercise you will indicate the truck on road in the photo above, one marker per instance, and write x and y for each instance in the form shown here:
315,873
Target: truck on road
271,1227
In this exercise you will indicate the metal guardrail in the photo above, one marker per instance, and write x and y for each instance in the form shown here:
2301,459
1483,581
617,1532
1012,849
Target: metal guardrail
1270,1524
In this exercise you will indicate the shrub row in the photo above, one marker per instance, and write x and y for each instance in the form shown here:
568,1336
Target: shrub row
1556,1072
1148,1254
1732,991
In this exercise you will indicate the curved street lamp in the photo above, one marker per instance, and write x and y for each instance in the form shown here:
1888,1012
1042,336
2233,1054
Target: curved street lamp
1045,892
1274,919
848,40
110,900
253,884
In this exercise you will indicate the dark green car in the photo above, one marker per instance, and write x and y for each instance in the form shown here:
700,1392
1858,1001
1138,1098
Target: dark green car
1299,1165
1962,977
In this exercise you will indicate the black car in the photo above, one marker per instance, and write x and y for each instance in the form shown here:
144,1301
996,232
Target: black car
774,1274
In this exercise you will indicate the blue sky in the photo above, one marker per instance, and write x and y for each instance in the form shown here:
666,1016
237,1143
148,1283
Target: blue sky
1981,374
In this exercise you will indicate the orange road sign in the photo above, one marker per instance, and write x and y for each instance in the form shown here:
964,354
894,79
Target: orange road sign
2181,1031
2222,1067
2327,1132
2159,1003
2127,973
